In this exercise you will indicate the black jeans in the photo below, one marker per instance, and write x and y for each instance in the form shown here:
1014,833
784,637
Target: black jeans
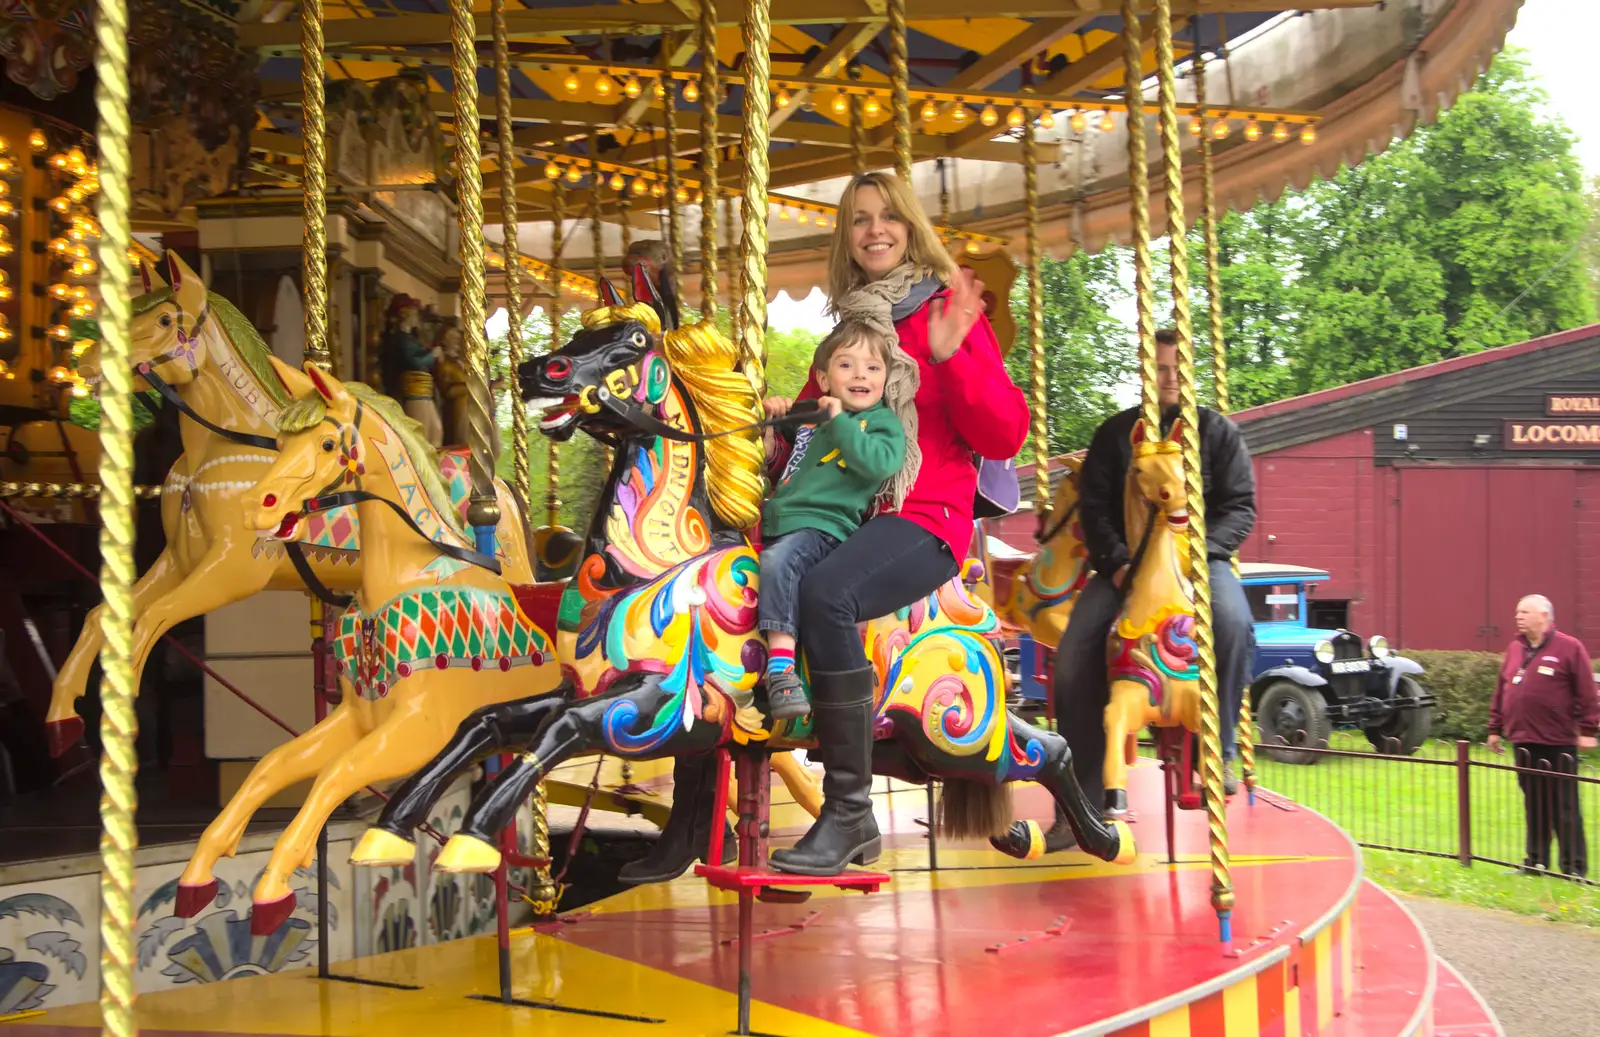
1550,806
1081,689
887,564
785,561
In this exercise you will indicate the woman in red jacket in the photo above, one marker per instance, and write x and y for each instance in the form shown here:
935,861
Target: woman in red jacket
887,267
887,262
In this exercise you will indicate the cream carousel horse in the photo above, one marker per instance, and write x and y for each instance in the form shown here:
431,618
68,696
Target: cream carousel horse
207,360
1153,659
434,631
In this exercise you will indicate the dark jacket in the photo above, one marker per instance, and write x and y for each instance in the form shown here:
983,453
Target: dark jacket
1545,694
1230,487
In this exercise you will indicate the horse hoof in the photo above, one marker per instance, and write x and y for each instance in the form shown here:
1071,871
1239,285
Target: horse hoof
1024,841
380,847
62,735
193,899
464,853
267,915
1126,851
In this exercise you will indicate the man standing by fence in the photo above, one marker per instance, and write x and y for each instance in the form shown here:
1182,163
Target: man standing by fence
1545,702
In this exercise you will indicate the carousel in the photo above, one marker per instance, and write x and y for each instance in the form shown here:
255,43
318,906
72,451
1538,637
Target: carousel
345,663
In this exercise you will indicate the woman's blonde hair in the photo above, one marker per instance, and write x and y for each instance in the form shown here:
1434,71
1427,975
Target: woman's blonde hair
924,250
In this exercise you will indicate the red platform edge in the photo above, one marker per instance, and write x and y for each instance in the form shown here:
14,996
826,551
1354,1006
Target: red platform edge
1458,1009
734,877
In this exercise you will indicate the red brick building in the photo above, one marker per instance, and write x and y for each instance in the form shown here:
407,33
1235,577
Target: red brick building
1438,496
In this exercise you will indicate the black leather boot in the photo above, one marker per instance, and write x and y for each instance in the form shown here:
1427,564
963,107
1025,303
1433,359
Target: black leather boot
841,704
688,831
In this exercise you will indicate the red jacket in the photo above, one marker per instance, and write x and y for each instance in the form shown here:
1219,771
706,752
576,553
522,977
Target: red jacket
967,403
1554,701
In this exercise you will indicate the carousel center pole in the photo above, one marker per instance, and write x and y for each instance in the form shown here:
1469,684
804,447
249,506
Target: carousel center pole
753,308
119,763
1199,570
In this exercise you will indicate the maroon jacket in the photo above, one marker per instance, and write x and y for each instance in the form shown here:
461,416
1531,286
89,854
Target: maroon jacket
1554,702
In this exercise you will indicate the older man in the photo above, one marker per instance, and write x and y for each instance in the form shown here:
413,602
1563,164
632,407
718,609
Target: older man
1545,702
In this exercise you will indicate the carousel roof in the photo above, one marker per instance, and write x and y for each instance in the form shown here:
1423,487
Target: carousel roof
1336,79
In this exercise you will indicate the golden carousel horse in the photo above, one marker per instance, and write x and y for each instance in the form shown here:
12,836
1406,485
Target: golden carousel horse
657,631
1151,652
205,358
434,630
1045,587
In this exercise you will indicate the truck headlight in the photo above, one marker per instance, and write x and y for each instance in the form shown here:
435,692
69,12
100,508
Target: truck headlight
1324,651
1378,646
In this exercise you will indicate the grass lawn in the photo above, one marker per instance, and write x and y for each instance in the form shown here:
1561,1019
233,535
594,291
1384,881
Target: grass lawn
1404,803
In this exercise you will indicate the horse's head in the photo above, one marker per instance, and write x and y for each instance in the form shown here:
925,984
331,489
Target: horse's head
610,371
320,451
165,332
1157,471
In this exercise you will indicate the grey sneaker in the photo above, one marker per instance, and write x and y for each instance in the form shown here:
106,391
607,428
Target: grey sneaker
786,696
1230,781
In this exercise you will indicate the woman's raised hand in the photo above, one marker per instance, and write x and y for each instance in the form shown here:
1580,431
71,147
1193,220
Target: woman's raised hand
949,323
776,406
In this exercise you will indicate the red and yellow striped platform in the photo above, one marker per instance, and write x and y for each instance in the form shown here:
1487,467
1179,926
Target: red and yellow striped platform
984,947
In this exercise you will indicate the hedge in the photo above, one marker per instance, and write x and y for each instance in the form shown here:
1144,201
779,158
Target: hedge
1464,683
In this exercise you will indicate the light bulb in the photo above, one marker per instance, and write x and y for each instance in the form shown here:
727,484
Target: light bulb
59,373
960,114
1079,122
1221,128
1047,120
659,90
1280,132
803,218
841,104
658,189
1197,126
783,99
5,293
1107,123
6,208
574,174
699,198
80,390
1309,134
1252,131
552,171
972,248
872,107
783,215
83,268
604,84
1015,118
989,116
6,166
691,91
61,204
616,181
632,87
640,186
60,246
5,188
37,141
822,222
60,332
60,291
930,111
683,194
571,82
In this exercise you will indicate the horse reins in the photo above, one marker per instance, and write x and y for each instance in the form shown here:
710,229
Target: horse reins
147,371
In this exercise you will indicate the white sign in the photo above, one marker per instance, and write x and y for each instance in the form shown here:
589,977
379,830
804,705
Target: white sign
1283,599
1400,432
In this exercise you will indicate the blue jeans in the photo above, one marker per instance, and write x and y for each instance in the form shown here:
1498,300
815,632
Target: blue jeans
1081,689
784,563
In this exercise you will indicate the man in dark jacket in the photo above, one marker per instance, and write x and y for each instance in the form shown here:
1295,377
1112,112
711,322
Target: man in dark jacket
1545,702
1081,689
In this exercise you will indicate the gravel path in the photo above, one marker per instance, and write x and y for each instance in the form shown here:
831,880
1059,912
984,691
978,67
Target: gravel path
1541,978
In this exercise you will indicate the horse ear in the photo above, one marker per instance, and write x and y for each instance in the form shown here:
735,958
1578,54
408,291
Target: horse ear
152,280
644,290
1176,434
609,295
1137,435
293,379
326,385
186,284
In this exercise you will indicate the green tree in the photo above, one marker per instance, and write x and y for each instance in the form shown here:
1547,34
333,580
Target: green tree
789,356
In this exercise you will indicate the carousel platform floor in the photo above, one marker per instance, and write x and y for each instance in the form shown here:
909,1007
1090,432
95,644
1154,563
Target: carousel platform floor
983,946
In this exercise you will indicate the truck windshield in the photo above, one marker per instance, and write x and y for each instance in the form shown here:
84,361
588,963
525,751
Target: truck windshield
1274,603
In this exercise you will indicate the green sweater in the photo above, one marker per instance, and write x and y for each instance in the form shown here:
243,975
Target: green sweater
834,472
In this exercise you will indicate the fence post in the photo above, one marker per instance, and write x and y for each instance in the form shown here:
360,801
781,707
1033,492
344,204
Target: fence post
1464,803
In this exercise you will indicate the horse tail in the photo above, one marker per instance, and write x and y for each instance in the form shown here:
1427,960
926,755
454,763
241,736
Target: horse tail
974,810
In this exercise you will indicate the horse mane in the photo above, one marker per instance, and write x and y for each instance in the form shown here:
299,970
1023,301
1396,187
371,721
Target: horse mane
247,341
308,411
726,395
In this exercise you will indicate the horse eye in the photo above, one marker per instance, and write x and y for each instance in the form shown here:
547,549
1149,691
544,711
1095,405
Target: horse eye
639,339
166,320
327,446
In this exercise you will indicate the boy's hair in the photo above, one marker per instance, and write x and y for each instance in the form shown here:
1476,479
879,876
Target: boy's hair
848,334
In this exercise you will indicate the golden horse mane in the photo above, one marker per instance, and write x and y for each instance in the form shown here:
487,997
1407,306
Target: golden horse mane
726,395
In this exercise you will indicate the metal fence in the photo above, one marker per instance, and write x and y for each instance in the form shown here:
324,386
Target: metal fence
1451,800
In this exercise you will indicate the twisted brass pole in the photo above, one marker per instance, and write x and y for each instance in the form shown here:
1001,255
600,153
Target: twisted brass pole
732,235
858,136
597,237
1041,421
314,184
756,140
552,495
1204,636
1139,203
899,85
541,890
710,98
674,229
483,512
1219,356
119,724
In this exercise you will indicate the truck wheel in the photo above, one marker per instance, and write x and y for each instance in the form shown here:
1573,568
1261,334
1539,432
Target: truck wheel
1290,714
1410,726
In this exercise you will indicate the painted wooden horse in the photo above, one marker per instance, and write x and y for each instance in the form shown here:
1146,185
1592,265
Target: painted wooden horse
1046,586
207,360
1151,653
434,630
657,632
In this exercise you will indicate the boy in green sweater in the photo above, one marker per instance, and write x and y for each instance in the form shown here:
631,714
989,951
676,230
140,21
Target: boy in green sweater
836,469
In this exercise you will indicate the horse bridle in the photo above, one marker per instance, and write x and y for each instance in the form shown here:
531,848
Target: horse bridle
185,351
329,497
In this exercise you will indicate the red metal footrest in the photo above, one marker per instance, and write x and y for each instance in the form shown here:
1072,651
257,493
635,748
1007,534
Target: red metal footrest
735,878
